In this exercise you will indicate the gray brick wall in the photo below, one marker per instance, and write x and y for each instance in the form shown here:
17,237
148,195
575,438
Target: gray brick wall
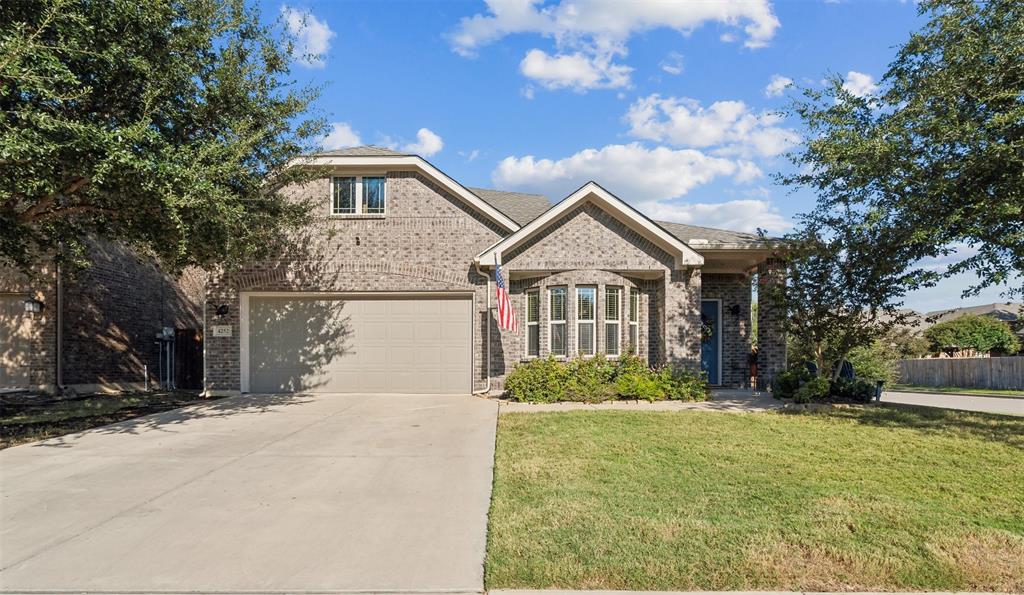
771,338
426,242
112,310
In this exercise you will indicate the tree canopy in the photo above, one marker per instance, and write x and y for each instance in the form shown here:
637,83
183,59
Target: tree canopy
971,333
937,153
167,125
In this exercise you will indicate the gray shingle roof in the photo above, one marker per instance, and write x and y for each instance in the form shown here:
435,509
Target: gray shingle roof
521,208
689,233
363,151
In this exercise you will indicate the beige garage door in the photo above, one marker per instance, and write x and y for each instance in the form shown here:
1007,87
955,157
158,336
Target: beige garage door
373,345
14,347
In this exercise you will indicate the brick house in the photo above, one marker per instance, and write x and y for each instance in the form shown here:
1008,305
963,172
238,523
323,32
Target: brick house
96,328
392,288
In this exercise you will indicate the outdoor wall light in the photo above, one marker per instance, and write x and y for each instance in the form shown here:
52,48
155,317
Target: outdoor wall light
222,310
734,309
33,306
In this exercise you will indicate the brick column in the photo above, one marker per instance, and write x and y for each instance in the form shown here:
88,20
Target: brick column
680,307
771,337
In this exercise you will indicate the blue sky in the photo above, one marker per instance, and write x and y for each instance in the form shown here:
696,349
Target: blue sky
668,105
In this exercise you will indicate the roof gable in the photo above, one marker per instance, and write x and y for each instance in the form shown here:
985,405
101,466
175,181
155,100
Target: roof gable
614,206
376,158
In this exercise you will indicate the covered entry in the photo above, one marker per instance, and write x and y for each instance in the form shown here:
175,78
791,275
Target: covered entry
386,343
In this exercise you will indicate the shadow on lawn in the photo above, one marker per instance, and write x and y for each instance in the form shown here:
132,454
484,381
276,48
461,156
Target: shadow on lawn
166,421
1003,429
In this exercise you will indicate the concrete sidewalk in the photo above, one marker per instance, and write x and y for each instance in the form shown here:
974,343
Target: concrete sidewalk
1004,405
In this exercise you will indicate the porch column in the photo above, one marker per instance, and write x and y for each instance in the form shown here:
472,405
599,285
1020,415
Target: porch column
771,337
680,309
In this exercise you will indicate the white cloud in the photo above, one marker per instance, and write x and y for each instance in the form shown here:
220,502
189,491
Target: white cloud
673,63
342,135
738,215
471,155
577,71
527,92
590,34
635,172
312,36
860,84
777,86
427,143
606,24
728,127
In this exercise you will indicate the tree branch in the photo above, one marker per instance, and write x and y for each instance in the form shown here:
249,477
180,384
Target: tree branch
36,211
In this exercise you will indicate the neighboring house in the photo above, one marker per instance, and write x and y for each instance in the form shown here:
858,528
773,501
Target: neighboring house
391,289
1011,313
96,328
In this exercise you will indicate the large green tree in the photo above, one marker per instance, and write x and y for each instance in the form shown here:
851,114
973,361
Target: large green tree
166,124
973,335
938,151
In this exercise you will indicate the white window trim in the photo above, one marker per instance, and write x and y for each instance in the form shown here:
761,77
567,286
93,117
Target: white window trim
563,321
536,323
617,321
634,324
358,196
591,321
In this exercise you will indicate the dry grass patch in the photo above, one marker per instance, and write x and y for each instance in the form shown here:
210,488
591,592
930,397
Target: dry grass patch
881,499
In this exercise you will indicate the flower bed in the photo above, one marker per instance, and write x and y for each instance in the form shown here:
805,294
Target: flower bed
596,379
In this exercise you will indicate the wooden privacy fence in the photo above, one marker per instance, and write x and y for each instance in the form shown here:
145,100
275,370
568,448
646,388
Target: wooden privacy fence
964,372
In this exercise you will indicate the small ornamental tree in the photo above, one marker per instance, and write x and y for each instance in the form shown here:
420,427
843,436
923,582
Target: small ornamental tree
167,125
971,335
845,280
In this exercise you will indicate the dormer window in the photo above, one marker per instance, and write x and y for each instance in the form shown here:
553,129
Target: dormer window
358,195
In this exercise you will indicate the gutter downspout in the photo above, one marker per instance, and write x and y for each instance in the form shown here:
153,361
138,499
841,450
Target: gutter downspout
487,346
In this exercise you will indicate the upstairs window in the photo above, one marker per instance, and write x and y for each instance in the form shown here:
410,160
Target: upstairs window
359,195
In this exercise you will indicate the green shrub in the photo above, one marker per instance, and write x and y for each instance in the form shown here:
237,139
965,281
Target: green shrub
787,383
537,381
596,379
683,385
858,391
589,379
644,385
815,389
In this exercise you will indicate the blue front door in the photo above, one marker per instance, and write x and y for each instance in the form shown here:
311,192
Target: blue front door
709,338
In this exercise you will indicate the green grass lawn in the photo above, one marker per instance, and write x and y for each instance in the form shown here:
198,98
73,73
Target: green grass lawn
999,392
28,418
848,499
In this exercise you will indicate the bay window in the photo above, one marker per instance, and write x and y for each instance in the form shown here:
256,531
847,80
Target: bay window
556,320
612,320
532,323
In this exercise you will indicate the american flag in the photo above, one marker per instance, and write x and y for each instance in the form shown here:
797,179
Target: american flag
506,314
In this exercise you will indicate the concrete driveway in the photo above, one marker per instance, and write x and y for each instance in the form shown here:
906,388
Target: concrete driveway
1005,405
313,494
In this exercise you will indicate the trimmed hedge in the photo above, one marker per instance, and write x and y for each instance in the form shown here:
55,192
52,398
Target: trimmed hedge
596,379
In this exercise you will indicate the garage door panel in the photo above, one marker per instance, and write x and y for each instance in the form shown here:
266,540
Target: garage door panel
401,344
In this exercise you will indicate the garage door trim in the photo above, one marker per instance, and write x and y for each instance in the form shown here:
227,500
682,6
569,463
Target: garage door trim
243,317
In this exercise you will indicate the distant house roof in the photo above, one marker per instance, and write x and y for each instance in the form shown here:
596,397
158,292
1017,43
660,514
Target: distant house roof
520,207
1008,311
363,151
